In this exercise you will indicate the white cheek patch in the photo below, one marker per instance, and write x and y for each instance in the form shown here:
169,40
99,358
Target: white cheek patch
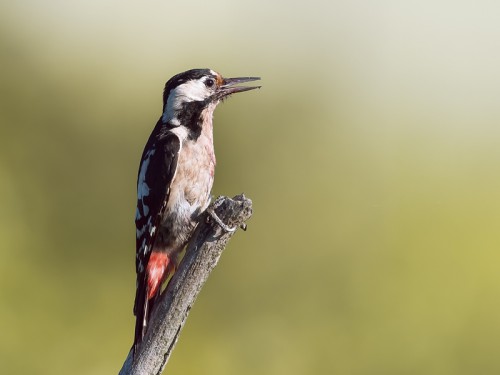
190,91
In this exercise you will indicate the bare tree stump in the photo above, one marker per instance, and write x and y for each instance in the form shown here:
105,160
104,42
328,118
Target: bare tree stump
170,314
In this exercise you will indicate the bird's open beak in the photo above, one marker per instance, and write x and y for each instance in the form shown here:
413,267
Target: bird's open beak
228,86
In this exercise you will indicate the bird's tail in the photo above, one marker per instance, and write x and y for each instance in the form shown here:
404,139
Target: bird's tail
141,305
148,290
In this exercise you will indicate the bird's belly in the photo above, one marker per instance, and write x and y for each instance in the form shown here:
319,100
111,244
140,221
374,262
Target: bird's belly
181,216
189,197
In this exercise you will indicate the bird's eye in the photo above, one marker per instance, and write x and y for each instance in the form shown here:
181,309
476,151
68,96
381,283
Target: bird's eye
209,82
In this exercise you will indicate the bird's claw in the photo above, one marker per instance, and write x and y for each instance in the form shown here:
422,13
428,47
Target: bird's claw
217,219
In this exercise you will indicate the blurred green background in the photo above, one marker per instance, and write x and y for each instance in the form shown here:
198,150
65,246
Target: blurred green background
371,153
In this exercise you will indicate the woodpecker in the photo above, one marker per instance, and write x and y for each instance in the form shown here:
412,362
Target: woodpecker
175,177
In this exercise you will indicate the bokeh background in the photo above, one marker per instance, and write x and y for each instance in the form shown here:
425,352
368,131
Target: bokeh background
371,153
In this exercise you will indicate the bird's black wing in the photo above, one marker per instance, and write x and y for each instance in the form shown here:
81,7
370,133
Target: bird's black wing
156,172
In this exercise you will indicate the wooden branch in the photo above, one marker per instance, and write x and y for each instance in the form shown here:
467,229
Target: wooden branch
170,314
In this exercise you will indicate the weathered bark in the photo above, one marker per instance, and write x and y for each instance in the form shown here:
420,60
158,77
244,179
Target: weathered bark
170,314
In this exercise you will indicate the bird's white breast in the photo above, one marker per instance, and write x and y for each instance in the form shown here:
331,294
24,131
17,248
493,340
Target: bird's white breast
193,180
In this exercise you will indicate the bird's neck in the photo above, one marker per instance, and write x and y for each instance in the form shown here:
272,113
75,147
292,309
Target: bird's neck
195,119
206,122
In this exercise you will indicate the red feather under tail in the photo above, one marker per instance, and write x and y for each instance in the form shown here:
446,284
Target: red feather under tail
159,268
157,272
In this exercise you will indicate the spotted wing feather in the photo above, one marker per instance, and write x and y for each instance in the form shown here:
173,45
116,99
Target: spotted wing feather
156,172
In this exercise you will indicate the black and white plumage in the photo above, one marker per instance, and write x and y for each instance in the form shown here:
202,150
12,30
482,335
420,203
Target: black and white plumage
175,178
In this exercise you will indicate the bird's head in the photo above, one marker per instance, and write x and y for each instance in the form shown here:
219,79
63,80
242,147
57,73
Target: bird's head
197,89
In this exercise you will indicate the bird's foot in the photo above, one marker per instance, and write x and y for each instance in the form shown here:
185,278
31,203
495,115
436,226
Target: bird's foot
217,219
